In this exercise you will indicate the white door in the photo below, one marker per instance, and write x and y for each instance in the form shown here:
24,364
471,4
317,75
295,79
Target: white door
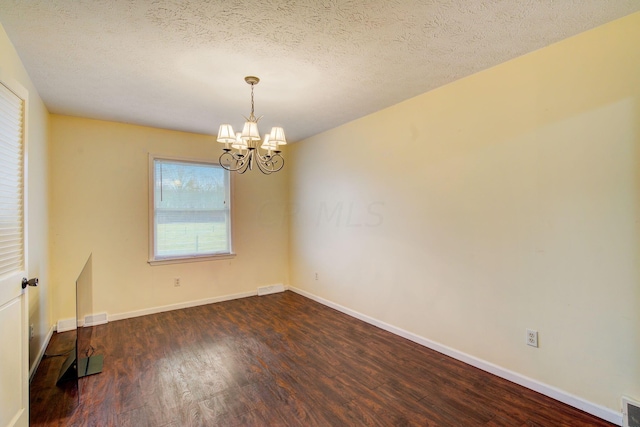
14,317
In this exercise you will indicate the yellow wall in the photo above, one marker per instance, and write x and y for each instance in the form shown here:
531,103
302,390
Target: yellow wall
37,118
504,201
99,206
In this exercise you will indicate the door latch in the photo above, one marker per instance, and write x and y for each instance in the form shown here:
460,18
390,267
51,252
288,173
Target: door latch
32,282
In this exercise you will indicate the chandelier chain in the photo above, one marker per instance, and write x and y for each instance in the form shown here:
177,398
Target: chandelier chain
252,115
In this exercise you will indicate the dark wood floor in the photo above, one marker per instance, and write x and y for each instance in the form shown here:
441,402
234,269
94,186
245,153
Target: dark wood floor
277,360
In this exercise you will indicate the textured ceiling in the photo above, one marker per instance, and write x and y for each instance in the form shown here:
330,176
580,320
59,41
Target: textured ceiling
181,64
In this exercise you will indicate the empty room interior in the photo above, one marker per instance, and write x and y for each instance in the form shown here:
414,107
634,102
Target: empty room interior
454,212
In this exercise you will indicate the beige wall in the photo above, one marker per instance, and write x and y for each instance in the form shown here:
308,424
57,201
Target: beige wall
516,206
99,181
504,201
37,118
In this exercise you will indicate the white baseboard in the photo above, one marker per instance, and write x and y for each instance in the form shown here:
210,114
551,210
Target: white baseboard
550,391
64,325
161,309
43,348
273,289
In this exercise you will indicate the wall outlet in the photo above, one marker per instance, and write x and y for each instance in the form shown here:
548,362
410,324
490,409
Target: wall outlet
31,331
532,338
316,276
176,282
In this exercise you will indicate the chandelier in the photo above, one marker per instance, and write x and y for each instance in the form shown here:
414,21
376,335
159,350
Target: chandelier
242,150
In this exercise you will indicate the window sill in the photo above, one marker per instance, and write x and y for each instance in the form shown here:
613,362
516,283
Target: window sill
190,259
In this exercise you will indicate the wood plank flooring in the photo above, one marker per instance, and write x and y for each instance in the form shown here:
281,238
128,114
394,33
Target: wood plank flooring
277,360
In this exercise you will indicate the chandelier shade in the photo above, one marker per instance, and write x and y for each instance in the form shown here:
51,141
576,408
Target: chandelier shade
277,136
268,145
242,149
239,143
250,132
226,134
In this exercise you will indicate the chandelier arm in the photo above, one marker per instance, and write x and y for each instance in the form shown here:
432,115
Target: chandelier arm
238,160
262,166
241,163
262,156
269,164
223,158
245,164
261,159
248,165
244,169
275,158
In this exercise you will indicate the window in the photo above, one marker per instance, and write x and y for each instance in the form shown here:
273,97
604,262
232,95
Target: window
190,210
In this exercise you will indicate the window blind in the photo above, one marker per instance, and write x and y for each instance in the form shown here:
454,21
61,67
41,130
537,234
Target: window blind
11,183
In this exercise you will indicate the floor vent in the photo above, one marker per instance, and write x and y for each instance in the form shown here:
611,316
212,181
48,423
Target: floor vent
630,413
266,290
95,319
65,325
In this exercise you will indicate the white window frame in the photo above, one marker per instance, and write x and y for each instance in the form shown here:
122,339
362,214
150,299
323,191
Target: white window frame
184,259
